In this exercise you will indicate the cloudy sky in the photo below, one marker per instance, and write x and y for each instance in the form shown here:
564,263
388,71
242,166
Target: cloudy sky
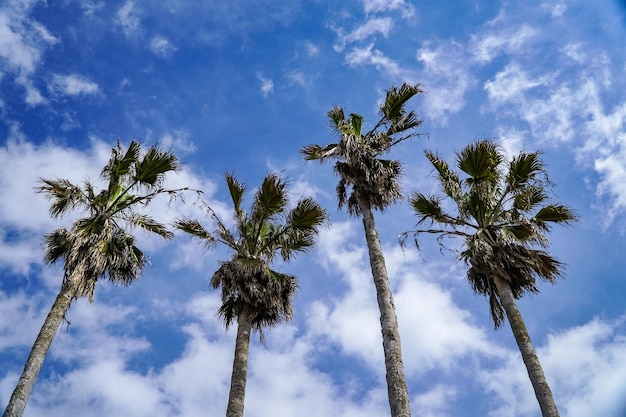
241,86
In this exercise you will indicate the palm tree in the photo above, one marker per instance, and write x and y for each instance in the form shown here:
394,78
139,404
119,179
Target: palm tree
374,186
502,213
97,246
253,294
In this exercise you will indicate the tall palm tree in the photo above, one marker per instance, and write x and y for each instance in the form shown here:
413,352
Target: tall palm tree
253,294
373,185
99,245
502,212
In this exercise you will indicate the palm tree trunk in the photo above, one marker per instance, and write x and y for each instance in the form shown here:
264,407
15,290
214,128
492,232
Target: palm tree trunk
38,353
240,368
529,356
396,382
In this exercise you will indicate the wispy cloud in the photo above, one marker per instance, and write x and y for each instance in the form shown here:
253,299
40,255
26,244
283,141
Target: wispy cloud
377,6
487,46
128,18
370,56
267,85
72,85
162,47
22,43
371,27
446,79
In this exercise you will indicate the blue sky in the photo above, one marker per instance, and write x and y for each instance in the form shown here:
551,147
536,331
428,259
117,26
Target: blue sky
241,86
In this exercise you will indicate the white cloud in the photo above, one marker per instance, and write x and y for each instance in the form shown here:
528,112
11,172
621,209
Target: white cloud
485,48
73,85
589,380
447,77
434,402
178,141
352,319
27,212
128,18
381,25
370,56
510,84
162,47
267,85
377,6
311,48
22,43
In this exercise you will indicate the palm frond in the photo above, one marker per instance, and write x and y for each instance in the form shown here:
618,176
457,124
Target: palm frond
354,125
151,170
121,163
307,215
194,228
270,199
236,189
396,98
523,169
480,161
150,224
554,213
336,119
428,208
57,245
316,152
64,196
450,182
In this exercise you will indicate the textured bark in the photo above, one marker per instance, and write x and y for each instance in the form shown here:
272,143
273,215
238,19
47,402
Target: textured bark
239,377
529,356
38,353
396,382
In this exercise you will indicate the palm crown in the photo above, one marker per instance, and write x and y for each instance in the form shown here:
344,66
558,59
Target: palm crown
503,216
99,245
358,164
248,283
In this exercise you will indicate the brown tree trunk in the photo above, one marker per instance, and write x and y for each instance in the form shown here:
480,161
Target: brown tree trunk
38,353
239,377
396,382
529,356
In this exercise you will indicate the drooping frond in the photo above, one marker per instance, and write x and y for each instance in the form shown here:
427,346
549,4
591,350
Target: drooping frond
57,245
429,209
150,224
316,152
64,196
194,228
